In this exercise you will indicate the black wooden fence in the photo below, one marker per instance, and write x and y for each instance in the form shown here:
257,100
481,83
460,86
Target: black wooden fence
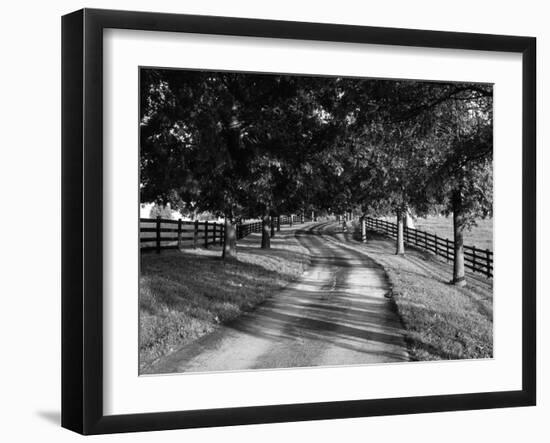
475,259
159,233
247,228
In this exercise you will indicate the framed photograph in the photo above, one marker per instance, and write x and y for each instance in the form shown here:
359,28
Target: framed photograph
268,221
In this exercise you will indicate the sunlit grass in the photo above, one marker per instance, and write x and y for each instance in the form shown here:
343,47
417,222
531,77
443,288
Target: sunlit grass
441,321
185,294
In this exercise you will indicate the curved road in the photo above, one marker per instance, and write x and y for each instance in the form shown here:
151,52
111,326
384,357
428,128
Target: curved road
335,314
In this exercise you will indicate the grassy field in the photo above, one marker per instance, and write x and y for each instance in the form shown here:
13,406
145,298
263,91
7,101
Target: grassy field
480,236
441,321
186,294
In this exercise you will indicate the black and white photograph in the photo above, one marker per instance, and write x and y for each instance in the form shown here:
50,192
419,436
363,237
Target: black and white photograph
298,221
271,222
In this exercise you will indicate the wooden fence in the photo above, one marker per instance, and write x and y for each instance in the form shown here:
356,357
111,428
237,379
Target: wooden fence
247,228
475,259
159,233
293,219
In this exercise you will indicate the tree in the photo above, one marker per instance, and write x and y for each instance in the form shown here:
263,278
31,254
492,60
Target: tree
391,162
460,127
409,147
260,145
229,143
464,185
160,211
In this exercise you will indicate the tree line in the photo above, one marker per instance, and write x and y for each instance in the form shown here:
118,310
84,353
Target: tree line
249,145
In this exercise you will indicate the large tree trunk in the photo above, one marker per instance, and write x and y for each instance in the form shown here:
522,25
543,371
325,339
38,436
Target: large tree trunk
229,239
272,221
458,227
400,244
266,240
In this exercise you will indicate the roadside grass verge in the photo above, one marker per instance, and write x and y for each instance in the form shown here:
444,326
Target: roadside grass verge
442,321
185,294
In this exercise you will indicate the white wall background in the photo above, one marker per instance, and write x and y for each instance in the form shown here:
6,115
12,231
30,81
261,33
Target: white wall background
30,184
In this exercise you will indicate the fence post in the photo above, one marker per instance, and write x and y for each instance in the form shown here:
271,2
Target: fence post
196,234
278,223
214,233
179,233
436,248
158,234
474,259
291,220
205,234
363,230
488,259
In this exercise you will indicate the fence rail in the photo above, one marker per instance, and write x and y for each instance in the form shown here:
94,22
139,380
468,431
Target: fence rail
160,233
475,259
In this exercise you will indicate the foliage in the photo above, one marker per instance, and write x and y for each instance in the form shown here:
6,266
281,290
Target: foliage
160,211
243,145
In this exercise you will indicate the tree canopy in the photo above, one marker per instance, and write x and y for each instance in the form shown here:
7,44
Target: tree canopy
249,144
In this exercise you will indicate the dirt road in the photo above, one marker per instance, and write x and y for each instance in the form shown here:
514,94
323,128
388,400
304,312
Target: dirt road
336,314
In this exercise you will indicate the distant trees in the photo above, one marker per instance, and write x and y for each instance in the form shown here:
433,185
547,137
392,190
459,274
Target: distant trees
260,145
160,211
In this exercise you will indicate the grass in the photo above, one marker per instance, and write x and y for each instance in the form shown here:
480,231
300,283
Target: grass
441,321
185,294
480,236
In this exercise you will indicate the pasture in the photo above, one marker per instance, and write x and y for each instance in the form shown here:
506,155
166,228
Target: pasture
480,236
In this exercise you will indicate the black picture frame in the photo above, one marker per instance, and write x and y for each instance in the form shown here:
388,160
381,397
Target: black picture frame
82,218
